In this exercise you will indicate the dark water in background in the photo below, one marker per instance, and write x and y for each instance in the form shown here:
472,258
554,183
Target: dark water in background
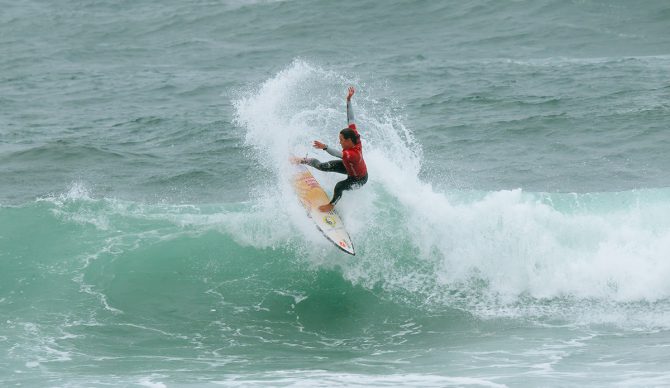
514,231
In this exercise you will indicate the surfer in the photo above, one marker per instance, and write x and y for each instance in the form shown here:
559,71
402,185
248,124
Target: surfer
351,163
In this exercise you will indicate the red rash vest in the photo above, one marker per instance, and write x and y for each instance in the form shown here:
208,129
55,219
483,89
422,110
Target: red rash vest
353,158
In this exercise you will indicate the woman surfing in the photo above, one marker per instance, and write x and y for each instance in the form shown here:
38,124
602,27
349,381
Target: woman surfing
351,160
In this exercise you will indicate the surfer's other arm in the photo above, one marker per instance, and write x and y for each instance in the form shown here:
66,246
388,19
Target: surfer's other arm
322,146
350,122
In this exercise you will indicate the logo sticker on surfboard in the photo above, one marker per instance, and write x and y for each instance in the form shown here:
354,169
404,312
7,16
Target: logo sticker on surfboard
330,220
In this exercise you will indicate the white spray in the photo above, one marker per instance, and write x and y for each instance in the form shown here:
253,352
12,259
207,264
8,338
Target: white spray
496,248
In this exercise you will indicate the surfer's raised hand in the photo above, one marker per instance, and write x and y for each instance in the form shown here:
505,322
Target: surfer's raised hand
351,92
318,145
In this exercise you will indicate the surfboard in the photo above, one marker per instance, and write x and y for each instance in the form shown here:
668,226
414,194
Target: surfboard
312,196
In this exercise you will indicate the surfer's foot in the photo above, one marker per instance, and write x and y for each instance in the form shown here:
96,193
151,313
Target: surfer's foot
327,207
297,160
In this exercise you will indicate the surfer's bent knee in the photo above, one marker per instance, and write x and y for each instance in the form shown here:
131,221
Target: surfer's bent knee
350,183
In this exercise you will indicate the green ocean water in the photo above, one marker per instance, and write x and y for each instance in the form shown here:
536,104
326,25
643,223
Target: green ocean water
514,231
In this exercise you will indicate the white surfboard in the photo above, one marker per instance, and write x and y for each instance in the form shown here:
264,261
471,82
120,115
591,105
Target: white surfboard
312,196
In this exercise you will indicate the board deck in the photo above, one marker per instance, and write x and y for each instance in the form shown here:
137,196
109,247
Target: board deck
312,195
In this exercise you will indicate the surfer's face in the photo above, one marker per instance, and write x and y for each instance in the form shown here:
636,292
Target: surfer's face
346,143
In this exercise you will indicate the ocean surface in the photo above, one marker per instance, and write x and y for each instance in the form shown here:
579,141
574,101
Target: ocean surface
514,232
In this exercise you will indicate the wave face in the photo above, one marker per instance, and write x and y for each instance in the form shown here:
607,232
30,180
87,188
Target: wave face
201,289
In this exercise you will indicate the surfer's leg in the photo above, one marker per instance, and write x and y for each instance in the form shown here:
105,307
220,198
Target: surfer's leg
337,193
347,184
331,166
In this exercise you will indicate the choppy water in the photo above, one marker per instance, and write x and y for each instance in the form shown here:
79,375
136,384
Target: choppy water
515,230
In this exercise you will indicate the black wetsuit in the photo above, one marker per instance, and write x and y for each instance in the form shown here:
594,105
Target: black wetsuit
338,166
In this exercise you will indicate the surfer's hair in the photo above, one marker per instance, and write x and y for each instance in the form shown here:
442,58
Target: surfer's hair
350,134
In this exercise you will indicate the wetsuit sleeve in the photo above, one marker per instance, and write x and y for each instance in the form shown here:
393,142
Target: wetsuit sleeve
334,152
350,116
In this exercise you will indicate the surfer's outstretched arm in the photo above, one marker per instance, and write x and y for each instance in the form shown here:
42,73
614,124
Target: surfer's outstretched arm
350,121
350,111
323,146
334,152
